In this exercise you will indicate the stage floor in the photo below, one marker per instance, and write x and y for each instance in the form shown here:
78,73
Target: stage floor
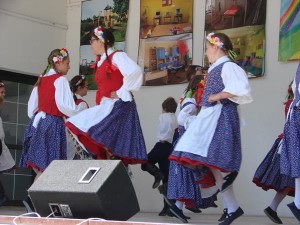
200,219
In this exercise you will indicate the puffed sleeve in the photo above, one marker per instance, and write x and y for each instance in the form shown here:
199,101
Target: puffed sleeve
64,97
132,73
188,114
32,103
236,83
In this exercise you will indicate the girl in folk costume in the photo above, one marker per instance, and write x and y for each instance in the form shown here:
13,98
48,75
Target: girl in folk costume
290,149
7,162
267,175
182,183
79,87
51,100
213,139
111,129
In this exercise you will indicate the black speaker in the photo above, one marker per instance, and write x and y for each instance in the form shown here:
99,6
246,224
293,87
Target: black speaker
85,189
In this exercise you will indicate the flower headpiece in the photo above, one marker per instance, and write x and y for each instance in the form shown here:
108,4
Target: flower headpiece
214,40
61,55
1,84
82,78
99,33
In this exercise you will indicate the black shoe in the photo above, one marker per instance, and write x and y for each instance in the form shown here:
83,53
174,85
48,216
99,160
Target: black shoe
230,217
194,210
164,211
28,205
229,180
178,214
3,200
272,215
154,171
214,205
295,210
170,214
158,177
225,211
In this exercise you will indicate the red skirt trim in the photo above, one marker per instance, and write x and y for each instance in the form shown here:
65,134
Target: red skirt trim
99,150
291,190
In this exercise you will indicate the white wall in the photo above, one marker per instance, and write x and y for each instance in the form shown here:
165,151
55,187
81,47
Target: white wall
30,29
25,45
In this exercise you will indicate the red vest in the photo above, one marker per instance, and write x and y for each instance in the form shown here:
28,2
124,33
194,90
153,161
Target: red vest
107,85
79,100
46,96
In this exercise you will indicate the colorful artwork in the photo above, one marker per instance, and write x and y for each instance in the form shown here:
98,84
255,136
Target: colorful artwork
112,14
244,22
165,50
289,41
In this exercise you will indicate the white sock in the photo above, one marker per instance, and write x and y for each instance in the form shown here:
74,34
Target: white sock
230,200
277,199
179,204
219,183
297,192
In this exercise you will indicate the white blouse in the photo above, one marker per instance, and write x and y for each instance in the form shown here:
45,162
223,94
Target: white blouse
63,97
167,123
188,113
82,105
235,80
132,73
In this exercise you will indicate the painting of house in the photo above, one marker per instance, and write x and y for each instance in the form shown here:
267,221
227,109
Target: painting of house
110,14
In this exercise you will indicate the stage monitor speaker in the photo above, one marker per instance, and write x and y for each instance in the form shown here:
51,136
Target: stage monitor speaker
85,189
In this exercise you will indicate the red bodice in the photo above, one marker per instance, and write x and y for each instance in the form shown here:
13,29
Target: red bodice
46,95
107,84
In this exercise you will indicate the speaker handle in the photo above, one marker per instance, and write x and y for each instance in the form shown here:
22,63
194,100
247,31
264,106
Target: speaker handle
89,175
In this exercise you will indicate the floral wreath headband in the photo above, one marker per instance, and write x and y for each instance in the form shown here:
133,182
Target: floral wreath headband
82,78
216,41
61,55
99,34
2,84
